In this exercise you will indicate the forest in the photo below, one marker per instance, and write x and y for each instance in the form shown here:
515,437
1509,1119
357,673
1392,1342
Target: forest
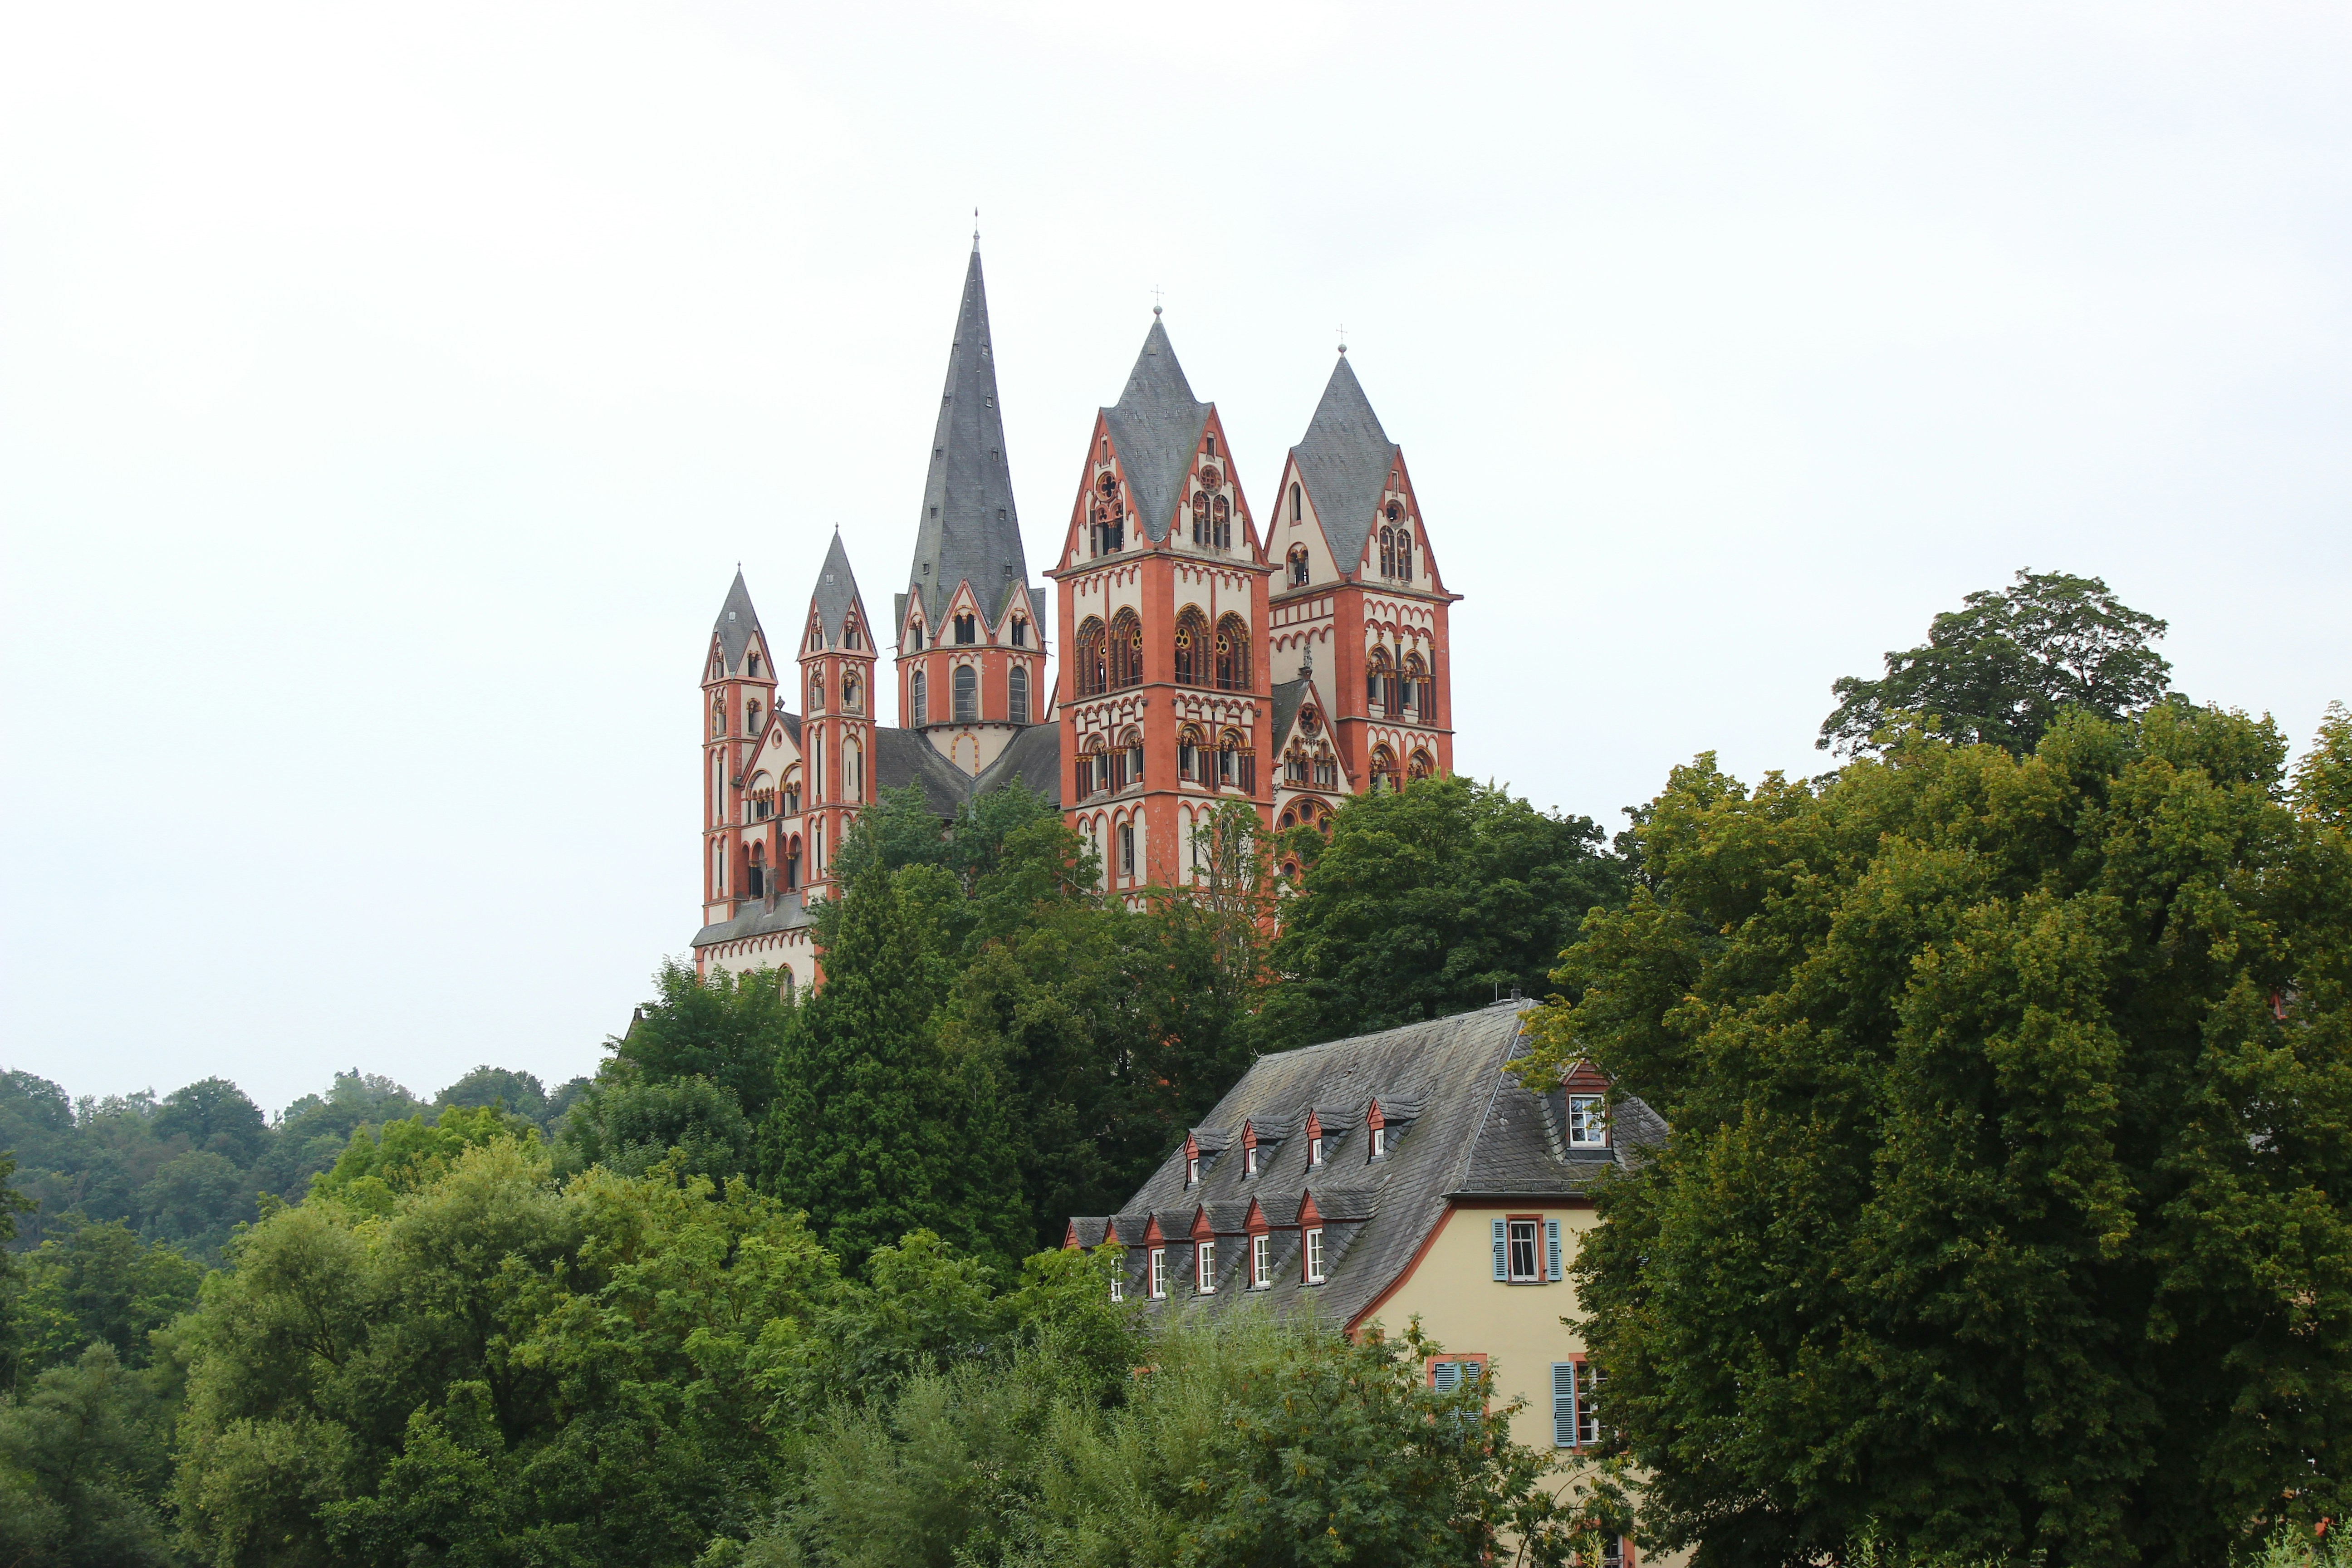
2007,1215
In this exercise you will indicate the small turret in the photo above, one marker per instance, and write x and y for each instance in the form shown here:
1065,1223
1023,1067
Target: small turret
837,657
738,697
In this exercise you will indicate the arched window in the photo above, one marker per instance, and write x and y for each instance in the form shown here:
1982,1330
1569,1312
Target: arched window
1404,552
1093,676
1233,654
817,691
1020,631
849,638
752,666
719,715
1236,764
852,690
718,868
817,767
1016,687
759,883
793,864
1299,565
1125,651
915,637
1384,772
967,630
1200,518
1296,514
1419,765
1221,532
1192,647
1327,770
1379,682
966,694
1094,771
1189,754
1411,688
752,718
919,700
853,773
793,793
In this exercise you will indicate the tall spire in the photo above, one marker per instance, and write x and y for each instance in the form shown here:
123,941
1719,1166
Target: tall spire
836,595
737,621
1345,458
970,531
1155,424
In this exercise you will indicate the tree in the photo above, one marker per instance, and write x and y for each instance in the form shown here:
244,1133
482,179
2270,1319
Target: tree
101,1283
2008,1198
214,1116
520,1092
2323,780
1427,900
874,1131
2000,668
83,1456
727,1028
629,1126
410,1153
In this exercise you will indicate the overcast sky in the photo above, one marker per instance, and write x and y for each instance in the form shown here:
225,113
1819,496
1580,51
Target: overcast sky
387,395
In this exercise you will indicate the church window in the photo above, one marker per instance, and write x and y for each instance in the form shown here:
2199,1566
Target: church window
918,704
1299,565
759,883
793,864
1209,446
1020,631
718,868
1200,518
1093,673
1191,647
966,694
1384,769
817,767
1404,552
816,848
817,691
1017,686
754,667
851,691
1127,848
1327,770
1379,682
1125,651
752,718
1233,654
1419,765
719,715
1297,505
1130,759
793,793
1094,771
1222,532
915,637
1188,754
1411,687
966,631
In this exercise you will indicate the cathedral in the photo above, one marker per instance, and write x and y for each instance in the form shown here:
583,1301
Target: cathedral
1207,654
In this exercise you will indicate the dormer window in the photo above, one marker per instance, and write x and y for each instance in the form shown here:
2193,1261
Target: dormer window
1379,1142
1315,1149
1314,1239
1192,1169
1118,1287
1204,1267
1157,1275
1261,1262
1249,1163
966,630
1588,1122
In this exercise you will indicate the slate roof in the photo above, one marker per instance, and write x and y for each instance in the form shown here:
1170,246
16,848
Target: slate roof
736,623
756,920
1344,460
1156,426
969,530
1460,1126
1287,695
836,595
902,757
1034,757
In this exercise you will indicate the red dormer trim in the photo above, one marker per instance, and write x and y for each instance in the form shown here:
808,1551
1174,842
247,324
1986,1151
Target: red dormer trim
1255,1223
1584,1079
1308,1215
1314,1125
1201,1229
1152,1235
1111,1236
1192,1147
1070,1236
1374,1118
1249,1135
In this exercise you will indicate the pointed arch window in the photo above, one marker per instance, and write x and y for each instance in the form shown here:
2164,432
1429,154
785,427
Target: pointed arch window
915,637
967,630
1221,524
1233,654
1189,753
1384,769
1093,673
1299,566
1200,518
816,690
1379,682
1020,631
793,864
1192,647
1016,688
719,715
1419,765
852,772
919,700
792,794
966,694
1412,688
853,692
1297,505
1125,651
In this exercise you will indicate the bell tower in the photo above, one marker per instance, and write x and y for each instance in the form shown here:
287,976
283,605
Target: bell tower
971,649
838,657
739,694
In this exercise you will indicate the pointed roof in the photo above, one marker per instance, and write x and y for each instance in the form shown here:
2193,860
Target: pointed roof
737,621
1344,460
1156,425
836,595
971,532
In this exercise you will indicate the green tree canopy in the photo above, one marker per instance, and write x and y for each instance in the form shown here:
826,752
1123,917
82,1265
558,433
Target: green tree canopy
629,1126
728,1028
2008,1205
520,1092
2002,668
1427,900
82,1459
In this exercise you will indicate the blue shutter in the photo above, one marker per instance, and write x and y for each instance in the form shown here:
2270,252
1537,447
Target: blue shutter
1551,1249
1563,1404
1502,1250
1445,1375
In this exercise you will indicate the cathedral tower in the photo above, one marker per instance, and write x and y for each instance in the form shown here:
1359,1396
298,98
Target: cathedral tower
836,740
1359,609
972,656
738,697
1165,706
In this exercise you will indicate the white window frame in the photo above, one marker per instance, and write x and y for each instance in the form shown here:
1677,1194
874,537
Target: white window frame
1261,1262
1315,1149
1119,1287
1192,1169
1379,1142
1588,1122
1249,1161
1204,1267
1315,1256
1529,1233
1157,1288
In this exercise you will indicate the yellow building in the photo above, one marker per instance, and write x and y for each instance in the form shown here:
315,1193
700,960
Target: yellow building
1393,1175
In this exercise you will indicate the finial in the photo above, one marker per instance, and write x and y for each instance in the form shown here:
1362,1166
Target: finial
1343,338
1155,301
975,228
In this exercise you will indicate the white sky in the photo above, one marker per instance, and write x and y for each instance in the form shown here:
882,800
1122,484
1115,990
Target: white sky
387,395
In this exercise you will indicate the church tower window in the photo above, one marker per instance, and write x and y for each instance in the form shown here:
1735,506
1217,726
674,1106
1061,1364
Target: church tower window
1188,754
817,691
966,631
1093,676
1384,769
793,793
752,718
851,691
1125,651
1222,532
1020,631
1297,507
1233,654
1379,682
1299,565
966,694
914,637
1200,518
793,864
918,704
1419,765
1191,647
1017,686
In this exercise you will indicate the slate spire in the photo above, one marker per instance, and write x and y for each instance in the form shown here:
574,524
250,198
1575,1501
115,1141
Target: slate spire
836,594
737,621
1344,460
969,530
1155,424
